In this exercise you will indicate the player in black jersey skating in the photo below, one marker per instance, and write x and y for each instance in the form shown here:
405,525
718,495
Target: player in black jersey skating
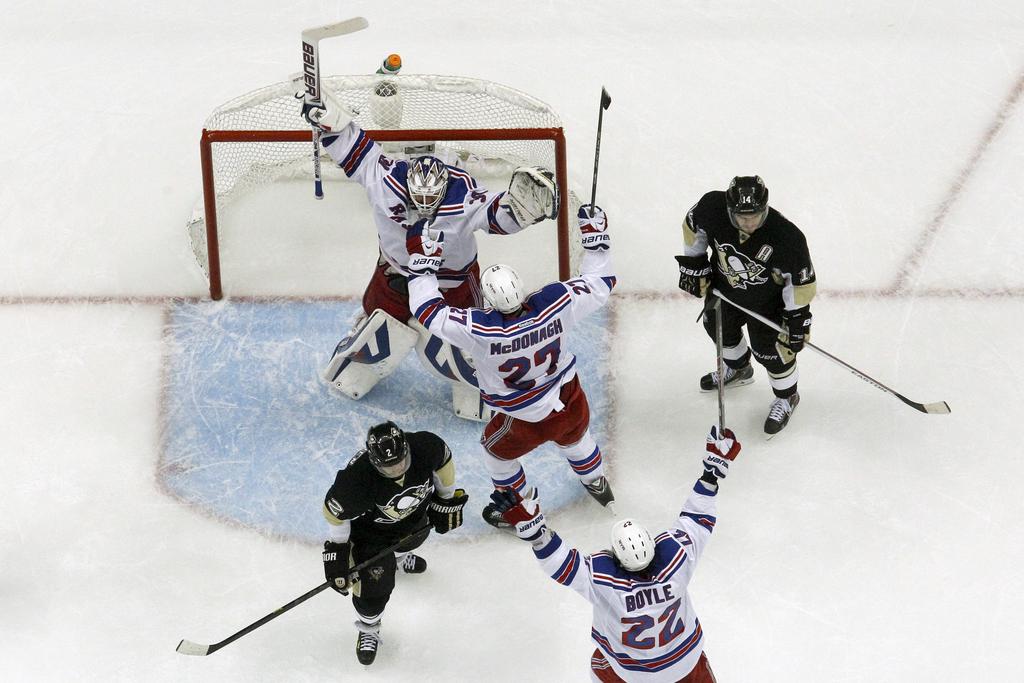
760,260
401,482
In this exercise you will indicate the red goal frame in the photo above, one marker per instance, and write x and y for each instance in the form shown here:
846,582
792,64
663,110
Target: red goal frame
211,137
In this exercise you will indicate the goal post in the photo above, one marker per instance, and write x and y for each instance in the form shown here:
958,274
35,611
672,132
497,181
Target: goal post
261,137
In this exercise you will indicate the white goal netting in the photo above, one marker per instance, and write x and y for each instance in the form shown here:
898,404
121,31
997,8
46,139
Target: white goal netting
260,138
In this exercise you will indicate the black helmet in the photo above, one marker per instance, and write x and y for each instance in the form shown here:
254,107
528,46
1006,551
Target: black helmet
747,195
388,449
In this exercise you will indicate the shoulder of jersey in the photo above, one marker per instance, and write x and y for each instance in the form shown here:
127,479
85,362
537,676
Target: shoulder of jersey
460,184
422,441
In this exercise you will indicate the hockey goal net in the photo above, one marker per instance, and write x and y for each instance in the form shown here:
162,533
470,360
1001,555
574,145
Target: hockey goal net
488,129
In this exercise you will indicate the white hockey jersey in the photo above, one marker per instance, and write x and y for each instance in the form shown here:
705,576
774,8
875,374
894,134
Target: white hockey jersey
465,206
520,361
643,623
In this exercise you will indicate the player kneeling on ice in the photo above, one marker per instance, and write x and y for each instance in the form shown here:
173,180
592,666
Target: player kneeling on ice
643,620
525,374
400,485
403,194
760,261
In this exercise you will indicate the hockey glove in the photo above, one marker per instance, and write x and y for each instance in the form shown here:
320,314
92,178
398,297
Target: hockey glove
337,565
445,514
522,513
797,325
593,228
532,195
328,115
722,449
425,247
694,274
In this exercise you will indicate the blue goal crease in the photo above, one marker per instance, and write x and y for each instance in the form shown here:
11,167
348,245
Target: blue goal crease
253,435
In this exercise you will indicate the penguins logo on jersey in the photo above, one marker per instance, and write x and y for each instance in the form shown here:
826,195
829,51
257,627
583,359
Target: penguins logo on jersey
404,503
739,269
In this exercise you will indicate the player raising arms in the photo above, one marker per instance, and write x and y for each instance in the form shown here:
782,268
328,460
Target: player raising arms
643,620
391,488
402,193
524,373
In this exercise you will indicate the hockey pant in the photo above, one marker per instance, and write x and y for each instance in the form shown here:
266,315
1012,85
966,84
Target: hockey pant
388,290
377,581
783,376
601,670
506,439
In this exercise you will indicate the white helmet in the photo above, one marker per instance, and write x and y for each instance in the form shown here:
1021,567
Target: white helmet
632,545
427,181
503,288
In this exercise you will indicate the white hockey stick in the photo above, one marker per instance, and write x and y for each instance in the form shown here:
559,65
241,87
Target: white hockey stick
938,408
311,38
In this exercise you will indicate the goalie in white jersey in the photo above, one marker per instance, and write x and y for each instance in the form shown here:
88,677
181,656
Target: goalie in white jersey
644,623
402,194
524,373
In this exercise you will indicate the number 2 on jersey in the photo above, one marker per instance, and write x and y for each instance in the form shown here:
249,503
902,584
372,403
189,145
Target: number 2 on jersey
520,365
633,636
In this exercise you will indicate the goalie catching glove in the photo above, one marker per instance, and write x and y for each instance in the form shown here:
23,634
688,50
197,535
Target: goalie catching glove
338,565
523,514
445,514
425,247
593,228
532,195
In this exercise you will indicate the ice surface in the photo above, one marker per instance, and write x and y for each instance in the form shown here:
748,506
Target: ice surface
868,542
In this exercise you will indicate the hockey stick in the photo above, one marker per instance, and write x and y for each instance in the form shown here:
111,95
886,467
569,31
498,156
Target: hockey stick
938,408
311,38
187,647
721,365
606,101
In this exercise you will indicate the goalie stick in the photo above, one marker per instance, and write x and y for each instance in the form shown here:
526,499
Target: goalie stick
311,38
937,408
187,647
606,101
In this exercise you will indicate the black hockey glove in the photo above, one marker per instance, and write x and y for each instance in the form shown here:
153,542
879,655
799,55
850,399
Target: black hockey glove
797,326
445,514
337,565
694,274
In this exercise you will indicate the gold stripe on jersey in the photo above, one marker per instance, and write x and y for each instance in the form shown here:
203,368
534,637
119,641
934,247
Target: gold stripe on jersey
446,473
689,234
802,294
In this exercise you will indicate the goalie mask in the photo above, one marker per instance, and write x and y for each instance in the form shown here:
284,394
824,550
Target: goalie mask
632,545
503,289
747,203
388,449
427,181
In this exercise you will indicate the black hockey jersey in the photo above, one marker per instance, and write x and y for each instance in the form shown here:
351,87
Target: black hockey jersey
389,507
768,271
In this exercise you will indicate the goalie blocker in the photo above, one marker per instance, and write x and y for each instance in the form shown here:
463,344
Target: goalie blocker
378,343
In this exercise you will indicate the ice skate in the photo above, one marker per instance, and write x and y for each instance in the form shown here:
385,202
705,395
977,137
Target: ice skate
367,642
494,518
413,564
601,491
733,378
778,415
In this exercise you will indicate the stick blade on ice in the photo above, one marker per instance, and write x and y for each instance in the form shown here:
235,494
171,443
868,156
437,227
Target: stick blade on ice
187,647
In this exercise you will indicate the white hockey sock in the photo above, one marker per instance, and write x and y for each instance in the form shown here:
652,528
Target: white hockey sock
585,458
507,474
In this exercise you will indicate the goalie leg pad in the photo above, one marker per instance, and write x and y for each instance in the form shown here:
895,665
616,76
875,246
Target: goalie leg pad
451,363
532,195
369,353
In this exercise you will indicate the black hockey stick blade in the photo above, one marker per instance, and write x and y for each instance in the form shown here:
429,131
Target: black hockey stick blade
606,99
187,647
938,408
